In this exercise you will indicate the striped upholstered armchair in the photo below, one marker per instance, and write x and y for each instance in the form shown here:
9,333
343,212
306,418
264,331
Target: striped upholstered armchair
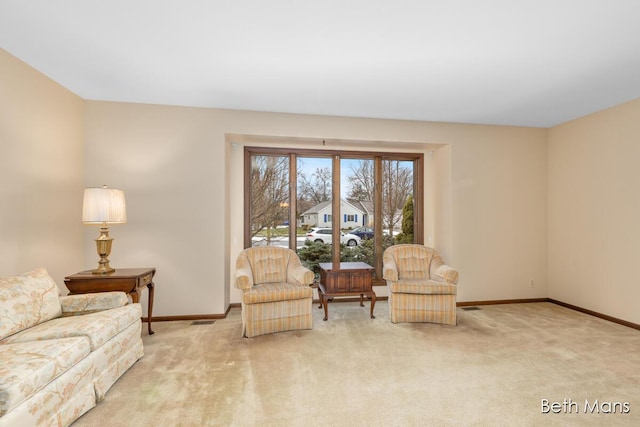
275,288
421,287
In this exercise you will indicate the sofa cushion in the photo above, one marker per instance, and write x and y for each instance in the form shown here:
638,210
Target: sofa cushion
27,300
429,287
25,368
98,327
269,292
81,304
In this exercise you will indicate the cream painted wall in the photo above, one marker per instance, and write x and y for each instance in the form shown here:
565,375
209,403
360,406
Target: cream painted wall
594,212
170,162
499,213
41,169
511,204
439,212
178,166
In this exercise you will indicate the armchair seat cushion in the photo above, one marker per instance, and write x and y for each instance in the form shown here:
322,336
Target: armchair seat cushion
270,292
430,287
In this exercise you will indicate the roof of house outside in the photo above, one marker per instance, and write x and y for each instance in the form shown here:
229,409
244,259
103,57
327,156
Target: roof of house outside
320,206
317,208
366,207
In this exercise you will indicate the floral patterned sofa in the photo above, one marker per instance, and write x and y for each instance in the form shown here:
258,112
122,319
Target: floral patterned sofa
59,355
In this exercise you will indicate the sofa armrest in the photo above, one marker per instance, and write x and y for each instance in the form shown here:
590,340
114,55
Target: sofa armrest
389,269
244,278
74,305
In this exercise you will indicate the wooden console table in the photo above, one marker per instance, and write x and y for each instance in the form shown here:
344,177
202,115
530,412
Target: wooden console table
350,279
129,280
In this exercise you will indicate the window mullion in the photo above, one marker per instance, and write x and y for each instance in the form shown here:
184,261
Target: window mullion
335,212
293,199
377,214
418,201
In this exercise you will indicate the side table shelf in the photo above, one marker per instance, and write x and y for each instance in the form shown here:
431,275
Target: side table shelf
129,280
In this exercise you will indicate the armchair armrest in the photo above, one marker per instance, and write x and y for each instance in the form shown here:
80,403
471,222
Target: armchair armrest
442,272
75,305
244,278
301,275
390,269
447,274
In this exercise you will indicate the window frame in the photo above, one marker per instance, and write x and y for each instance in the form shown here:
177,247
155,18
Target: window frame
293,154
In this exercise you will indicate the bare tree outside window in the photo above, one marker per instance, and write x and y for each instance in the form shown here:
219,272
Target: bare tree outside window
397,186
317,186
361,181
269,194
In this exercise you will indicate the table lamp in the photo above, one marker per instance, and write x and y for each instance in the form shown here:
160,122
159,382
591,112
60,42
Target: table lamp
103,206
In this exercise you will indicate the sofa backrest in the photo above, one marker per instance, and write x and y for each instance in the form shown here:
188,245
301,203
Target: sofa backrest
27,300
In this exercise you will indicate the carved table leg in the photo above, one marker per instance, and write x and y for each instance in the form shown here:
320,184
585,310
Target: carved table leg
151,288
325,302
373,303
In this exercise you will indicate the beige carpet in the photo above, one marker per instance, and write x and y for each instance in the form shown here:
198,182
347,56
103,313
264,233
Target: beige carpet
493,369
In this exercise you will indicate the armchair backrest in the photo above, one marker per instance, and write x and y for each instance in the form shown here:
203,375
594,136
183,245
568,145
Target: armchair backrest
268,264
412,261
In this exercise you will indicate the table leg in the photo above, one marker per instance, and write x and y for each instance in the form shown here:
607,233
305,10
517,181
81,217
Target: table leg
373,304
151,288
325,302
320,297
361,300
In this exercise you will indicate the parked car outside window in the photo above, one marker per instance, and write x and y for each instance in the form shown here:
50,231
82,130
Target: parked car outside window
318,234
364,233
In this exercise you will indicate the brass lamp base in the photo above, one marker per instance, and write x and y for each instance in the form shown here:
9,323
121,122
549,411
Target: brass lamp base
103,269
103,245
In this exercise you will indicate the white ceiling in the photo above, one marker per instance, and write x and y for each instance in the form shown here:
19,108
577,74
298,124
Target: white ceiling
508,62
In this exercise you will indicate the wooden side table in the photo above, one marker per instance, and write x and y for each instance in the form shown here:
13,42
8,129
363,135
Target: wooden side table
129,280
350,279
